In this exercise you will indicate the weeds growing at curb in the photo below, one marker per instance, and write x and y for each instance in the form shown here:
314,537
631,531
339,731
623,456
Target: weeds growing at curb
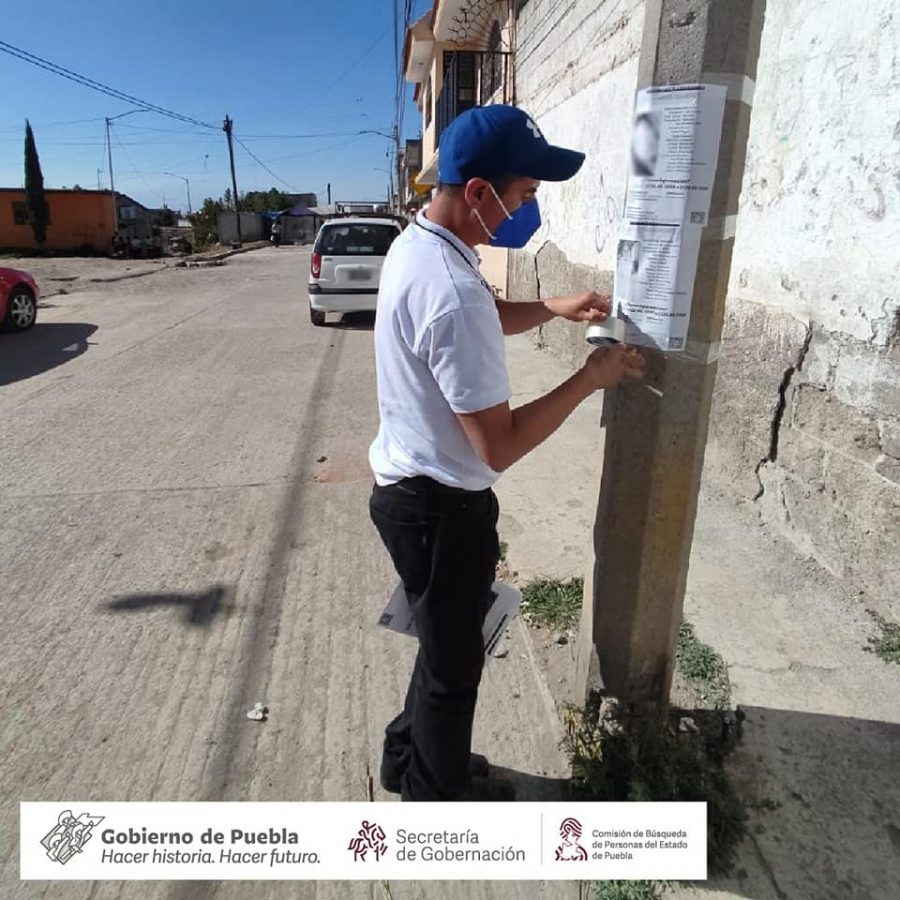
650,760
553,603
702,668
627,890
886,645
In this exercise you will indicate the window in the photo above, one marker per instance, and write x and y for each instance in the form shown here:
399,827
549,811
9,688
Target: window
428,103
20,213
356,240
127,213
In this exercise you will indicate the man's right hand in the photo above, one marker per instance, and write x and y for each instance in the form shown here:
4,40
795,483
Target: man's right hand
610,365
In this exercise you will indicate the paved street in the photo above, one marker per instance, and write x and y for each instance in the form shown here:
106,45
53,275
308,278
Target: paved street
184,533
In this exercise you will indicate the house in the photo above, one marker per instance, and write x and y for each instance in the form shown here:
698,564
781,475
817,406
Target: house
79,220
135,219
459,55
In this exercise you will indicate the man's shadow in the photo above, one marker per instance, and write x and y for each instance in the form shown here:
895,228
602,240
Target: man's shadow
198,609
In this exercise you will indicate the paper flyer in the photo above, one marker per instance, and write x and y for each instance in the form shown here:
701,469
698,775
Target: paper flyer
505,603
673,155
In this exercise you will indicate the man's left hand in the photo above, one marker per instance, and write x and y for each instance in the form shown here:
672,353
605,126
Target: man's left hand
589,307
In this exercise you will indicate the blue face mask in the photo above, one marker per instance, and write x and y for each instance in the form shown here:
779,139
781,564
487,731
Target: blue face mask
517,229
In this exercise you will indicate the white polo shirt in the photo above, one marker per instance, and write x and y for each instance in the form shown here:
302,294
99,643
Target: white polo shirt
438,351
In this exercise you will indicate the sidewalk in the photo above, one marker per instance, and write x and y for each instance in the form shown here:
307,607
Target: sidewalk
822,737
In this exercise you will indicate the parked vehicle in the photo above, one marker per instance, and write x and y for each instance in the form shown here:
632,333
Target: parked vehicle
345,268
19,297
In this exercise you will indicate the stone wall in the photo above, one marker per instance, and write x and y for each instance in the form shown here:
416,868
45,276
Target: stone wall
806,412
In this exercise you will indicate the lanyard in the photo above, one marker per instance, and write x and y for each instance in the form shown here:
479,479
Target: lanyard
462,255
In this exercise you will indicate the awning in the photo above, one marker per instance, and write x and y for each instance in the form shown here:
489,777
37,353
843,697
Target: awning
428,177
299,211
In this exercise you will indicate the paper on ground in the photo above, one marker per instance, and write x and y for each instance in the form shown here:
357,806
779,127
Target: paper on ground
398,617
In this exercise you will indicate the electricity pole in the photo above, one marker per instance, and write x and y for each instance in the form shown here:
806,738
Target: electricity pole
655,440
227,128
112,189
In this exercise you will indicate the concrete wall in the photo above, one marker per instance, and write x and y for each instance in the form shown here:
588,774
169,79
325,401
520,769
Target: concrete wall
253,227
806,416
576,72
77,219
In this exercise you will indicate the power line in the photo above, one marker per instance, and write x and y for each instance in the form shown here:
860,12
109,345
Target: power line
263,165
135,169
83,80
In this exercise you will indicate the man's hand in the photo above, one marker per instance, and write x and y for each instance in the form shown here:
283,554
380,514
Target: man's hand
610,365
589,307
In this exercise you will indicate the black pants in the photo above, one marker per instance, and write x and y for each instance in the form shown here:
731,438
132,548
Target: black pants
444,546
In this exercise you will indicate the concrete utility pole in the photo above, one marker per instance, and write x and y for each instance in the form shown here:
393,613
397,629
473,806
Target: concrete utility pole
654,445
112,189
227,128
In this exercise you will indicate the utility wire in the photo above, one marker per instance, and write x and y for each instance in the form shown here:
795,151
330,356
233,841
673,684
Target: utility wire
83,80
263,164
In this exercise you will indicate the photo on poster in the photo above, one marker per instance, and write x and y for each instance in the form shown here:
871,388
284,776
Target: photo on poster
645,144
628,261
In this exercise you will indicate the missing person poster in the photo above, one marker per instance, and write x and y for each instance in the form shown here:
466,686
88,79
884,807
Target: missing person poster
673,154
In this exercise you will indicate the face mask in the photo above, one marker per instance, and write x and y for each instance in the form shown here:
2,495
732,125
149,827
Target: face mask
517,229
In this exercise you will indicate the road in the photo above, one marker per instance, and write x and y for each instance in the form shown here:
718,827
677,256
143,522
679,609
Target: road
183,533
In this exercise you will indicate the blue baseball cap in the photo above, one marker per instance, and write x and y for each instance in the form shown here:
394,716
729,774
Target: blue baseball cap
492,141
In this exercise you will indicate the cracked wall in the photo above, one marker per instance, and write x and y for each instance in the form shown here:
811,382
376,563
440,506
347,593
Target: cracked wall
806,411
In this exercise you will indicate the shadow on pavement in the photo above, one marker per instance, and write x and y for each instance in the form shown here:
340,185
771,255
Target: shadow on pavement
823,797
198,609
356,321
44,347
534,787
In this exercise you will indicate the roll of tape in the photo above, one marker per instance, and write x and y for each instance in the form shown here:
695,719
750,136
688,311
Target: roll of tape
612,331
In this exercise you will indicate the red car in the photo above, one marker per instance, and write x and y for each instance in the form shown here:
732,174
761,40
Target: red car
18,300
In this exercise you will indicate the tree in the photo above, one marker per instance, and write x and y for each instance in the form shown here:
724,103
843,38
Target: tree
265,201
206,222
35,200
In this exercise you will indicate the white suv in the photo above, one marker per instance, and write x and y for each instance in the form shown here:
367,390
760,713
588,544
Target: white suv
345,268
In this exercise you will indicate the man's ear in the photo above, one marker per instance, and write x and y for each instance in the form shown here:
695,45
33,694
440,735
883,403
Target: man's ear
476,192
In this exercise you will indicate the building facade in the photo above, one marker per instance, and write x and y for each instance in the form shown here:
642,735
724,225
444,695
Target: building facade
459,55
79,220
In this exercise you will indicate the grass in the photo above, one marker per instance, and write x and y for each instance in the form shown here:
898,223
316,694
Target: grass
627,890
552,603
650,760
504,551
702,668
886,645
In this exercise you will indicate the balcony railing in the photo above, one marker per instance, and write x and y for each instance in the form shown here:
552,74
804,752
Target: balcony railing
472,78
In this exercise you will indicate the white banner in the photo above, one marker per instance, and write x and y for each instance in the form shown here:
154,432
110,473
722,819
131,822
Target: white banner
77,840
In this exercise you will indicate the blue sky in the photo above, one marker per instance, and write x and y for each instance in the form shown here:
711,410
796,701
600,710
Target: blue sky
278,68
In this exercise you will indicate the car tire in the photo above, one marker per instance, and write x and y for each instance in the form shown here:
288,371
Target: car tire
21,310
317,317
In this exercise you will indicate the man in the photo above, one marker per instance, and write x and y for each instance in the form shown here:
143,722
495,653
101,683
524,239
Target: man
447,429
